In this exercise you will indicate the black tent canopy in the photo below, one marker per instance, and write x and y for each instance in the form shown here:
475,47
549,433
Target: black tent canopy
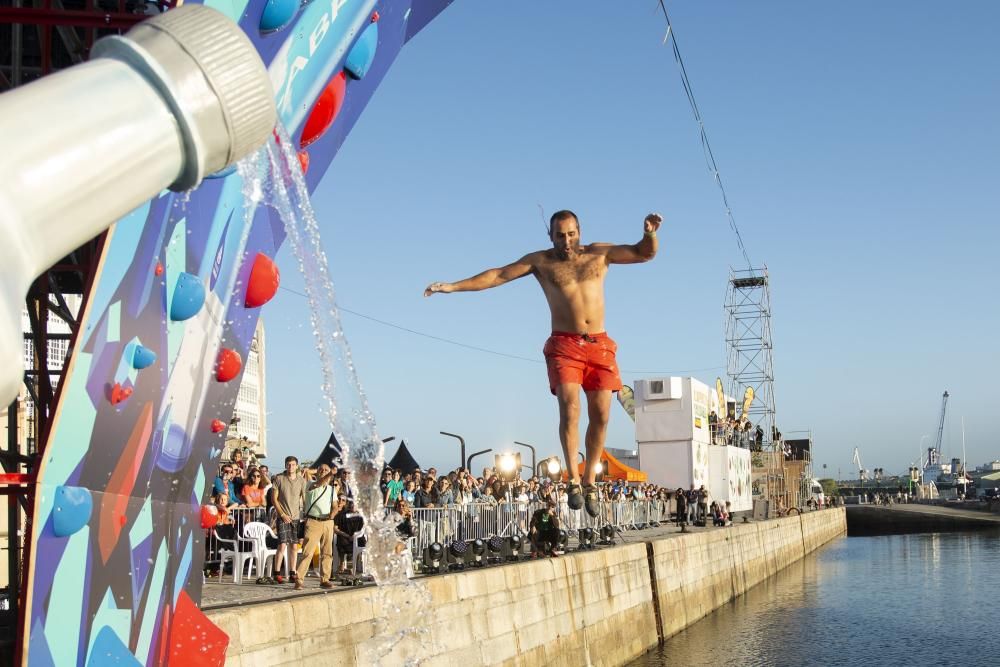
403,460
332,454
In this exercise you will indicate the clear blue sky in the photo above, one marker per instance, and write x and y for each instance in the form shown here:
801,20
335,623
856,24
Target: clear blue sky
858,142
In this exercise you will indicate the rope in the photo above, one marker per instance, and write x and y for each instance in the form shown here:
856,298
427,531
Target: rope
705,145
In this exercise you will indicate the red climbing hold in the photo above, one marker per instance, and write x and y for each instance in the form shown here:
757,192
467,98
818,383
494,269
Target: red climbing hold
263,281
194,640
325,110
209,516
375,17
159,269
119,393
228,365
218,426
304,161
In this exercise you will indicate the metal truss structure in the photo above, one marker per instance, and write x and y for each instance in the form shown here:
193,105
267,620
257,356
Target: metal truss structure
750,365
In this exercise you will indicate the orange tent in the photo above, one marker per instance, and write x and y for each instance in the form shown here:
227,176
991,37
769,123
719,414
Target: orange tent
615,469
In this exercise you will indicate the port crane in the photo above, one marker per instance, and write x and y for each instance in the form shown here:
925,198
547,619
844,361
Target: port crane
934,453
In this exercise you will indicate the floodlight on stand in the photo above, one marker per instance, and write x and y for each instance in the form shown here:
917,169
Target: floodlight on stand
508,465
585,536
599,470
552,468
607,534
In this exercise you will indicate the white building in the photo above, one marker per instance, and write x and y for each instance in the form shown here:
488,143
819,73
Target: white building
248,427
672,431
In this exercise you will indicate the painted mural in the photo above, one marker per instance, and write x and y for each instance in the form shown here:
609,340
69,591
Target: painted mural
116,541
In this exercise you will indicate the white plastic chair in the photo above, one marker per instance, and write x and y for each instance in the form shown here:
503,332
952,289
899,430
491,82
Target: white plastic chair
257,532
239,558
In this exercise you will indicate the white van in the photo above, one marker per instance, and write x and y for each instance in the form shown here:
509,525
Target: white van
816,493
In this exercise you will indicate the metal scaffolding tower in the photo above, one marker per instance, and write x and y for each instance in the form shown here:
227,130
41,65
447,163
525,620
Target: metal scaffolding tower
750,365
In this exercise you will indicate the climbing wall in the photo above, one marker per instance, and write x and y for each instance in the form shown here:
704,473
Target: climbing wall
116,543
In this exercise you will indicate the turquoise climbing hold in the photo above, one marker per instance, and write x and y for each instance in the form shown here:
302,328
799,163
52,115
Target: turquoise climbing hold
277,14
363,52
189,297
109,649
71,509
143,357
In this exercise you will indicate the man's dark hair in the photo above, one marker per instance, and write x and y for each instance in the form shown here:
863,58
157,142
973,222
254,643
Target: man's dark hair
289,459
559,216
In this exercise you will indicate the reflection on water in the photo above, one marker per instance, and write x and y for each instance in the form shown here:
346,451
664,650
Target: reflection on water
926,599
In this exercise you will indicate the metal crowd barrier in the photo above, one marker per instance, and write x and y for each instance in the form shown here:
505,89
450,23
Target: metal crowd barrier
239,517
476,520
484,520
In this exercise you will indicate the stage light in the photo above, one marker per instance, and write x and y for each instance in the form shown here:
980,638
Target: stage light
585,536
508,465
553,468
495,546
607,534
477,548
432,557
563,540
456,551
513,547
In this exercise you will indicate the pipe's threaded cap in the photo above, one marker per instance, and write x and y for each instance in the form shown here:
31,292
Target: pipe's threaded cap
233,69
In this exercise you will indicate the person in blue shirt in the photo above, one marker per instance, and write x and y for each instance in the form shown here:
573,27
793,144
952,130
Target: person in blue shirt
224,484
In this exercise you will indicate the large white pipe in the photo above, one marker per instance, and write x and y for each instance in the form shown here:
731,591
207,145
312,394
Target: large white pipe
178,97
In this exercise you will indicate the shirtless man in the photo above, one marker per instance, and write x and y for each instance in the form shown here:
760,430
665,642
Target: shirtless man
578,353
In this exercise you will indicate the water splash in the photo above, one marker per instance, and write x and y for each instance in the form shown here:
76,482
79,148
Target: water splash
274,178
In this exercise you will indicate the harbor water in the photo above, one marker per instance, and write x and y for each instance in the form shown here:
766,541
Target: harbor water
926,599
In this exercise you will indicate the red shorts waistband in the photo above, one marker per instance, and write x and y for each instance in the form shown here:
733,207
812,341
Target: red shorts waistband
584,335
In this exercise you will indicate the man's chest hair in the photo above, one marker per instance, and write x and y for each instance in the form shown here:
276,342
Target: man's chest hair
584,267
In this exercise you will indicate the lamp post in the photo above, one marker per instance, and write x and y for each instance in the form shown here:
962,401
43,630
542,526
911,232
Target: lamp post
468,464
534,456
461,443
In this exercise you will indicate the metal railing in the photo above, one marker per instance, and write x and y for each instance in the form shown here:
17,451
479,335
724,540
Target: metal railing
469,522
484,520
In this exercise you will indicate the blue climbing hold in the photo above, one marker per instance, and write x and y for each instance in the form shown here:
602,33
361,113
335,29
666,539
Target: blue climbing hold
143,357
71,509
277,14
189,297
109,649
363,52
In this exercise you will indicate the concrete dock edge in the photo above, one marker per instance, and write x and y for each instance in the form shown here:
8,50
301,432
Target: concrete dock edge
603,607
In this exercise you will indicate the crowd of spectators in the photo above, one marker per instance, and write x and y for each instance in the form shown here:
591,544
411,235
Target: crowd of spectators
313,505
736,432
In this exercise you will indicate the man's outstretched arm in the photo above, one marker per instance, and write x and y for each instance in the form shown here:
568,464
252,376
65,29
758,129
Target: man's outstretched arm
486,279
643,251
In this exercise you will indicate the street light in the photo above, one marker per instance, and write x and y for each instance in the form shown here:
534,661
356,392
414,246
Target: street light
468,463
461,443
534,455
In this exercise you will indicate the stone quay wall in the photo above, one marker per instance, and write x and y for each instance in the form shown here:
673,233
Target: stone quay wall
602,607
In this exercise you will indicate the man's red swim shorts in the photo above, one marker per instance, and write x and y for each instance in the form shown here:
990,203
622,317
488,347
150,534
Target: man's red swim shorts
584,359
